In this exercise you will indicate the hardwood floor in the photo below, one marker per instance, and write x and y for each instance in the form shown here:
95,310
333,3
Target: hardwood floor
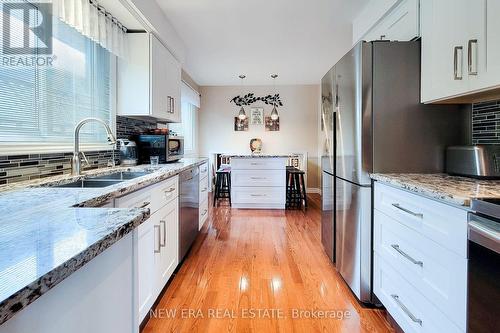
261,271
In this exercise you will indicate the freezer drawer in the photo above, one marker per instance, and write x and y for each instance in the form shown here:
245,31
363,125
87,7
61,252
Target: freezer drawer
353,233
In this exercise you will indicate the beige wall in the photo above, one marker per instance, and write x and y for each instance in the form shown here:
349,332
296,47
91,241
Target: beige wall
298,123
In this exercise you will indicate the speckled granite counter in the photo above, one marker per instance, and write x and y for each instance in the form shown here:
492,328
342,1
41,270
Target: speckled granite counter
454,190
46,234
260,155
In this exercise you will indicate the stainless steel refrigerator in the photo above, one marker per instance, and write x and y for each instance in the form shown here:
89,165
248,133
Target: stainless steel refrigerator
372,122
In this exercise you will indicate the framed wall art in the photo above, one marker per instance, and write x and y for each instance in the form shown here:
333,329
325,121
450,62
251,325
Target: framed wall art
256,116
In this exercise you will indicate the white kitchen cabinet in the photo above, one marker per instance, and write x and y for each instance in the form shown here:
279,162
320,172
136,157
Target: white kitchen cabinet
149,80
420,260
460,52
203,198
168,217
258,182
401,23
156,241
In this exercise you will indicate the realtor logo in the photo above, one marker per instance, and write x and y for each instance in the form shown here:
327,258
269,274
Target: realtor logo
27,28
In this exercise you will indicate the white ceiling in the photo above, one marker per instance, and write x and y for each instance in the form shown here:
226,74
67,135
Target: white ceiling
297,39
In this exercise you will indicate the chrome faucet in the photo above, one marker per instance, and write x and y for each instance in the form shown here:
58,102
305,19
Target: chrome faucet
75,162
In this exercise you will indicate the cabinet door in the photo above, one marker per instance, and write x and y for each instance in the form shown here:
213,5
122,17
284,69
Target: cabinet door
444,49
401,23
169,230
483,45
147,241
160,103
174,88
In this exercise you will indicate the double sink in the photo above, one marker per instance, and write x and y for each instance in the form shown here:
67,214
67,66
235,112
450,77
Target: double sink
105,180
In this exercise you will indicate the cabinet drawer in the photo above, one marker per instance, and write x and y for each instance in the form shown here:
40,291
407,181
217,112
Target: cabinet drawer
444,224
438,273
153,197
203,190
203,170
203,214
165,192
412,311
258,163
268,178
259,195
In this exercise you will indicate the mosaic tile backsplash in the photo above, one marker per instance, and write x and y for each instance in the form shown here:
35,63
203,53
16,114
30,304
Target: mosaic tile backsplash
16,168
486,123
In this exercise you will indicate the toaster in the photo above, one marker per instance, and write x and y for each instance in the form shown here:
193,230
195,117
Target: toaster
478,161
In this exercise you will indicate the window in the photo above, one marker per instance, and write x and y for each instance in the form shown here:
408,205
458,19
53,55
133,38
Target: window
41,104
188,127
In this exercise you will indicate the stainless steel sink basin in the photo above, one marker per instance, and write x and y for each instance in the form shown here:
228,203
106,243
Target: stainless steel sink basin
90,183
125,175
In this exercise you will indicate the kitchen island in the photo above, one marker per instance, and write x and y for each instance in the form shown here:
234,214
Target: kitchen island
258,181
69,259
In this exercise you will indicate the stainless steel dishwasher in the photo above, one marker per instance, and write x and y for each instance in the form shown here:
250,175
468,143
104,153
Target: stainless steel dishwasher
189,209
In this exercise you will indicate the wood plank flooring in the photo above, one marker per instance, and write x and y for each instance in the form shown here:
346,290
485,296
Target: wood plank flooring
261,271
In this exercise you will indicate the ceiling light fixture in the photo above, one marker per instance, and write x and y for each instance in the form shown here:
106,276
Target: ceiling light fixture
242,115
274,112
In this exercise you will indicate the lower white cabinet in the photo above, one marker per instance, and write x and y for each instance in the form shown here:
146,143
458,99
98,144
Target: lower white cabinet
420,260
203,199
258,182
156,241
97,298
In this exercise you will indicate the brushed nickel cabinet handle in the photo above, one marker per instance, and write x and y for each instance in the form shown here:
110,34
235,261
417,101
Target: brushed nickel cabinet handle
164,233
157,249
144,204
455,62
470,57
204,190
257,195
407,256
406,310
398,206
257,177
205,211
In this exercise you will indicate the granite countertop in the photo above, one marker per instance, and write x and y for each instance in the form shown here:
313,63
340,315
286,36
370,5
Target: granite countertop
260,155
451,189
47,233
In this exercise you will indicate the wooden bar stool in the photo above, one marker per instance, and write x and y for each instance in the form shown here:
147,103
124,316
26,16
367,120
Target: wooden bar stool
295,188
223,184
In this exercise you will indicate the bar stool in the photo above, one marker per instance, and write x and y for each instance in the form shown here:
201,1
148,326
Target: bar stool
223,184
295,188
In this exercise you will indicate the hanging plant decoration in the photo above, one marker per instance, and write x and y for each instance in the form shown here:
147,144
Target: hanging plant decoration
250,98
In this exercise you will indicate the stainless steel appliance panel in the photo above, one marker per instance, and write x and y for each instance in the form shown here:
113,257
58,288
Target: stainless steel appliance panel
353,115
327,214
328,101
353,239
189,209
408,136
479,161
483,293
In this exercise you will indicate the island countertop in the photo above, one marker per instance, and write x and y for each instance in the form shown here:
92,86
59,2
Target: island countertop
451,189
47,233
259,155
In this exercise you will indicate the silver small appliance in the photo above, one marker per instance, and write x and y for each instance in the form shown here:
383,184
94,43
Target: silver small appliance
128,152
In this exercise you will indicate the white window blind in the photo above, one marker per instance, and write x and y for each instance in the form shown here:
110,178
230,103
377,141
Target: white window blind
40,105
188,127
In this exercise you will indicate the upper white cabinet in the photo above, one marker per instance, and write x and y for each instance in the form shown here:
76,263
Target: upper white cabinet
149,80
401,23
460,48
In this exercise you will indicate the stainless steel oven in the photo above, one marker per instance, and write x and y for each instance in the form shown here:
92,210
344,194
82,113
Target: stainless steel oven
483,290
168,148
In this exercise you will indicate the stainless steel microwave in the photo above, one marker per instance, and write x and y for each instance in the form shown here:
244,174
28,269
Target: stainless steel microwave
168,148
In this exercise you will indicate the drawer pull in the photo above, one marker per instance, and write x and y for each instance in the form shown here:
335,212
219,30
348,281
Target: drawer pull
164,233
404,254
257,195
204,190
419,215
255,163
157,249
144,204
170,190
405,310
205,211
257,177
